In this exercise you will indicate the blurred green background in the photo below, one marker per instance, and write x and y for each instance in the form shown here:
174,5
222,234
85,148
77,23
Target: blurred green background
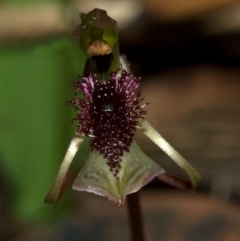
36,80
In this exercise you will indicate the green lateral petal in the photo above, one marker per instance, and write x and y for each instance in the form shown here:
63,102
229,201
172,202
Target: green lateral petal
55,192
136,171
150,132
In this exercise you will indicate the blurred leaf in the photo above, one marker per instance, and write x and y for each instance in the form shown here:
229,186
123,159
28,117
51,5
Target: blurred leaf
34,122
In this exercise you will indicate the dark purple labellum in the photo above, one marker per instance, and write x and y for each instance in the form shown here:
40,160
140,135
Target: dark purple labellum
110,114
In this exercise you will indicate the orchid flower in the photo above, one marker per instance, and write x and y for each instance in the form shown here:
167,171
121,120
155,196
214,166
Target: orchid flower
109,114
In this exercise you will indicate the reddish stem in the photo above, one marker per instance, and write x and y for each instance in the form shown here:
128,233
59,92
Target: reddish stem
135,217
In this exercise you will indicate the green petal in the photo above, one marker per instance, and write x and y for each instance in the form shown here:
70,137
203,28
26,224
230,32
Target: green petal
136,171
150,132
55,192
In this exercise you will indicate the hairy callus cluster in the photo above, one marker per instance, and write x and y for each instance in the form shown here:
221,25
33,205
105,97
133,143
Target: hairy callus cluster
109,114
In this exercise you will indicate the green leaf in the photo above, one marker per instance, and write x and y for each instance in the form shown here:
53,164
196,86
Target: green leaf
35,123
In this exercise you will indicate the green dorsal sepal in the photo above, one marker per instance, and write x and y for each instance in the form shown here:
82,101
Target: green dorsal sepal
99,32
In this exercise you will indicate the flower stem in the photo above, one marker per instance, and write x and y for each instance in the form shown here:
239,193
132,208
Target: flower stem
135,217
